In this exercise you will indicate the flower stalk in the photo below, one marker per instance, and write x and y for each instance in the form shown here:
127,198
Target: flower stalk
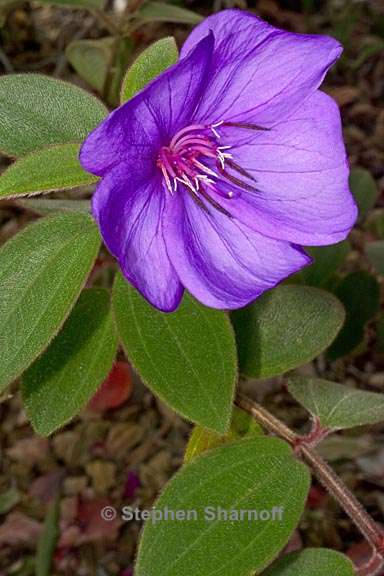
372,532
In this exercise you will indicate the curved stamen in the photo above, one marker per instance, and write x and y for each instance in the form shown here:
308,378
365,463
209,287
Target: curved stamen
191,128
187,162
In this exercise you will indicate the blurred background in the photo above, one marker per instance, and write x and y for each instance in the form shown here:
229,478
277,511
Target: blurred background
126,444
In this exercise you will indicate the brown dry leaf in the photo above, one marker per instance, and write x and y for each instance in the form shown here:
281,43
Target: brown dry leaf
103,475
18,529
45,487
122,438
29,451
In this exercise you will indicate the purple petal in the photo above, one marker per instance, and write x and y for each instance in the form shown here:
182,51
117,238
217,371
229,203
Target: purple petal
222,262
137,129
260,73
128,207
301,172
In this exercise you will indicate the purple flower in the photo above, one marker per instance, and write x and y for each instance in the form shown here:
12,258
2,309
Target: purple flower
216,172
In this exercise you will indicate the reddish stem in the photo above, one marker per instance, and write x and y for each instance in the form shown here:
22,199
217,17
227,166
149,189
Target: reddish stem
303,447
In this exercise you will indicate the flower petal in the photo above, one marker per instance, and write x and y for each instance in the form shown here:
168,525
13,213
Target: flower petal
259,73
222,262
128,207
138,128
301,172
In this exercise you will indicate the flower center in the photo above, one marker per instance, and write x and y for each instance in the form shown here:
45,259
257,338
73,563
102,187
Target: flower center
196,161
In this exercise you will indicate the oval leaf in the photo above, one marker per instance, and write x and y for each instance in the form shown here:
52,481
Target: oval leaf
259,474
46,170
187,358
44,206
375,254
92,60
152,61
312,562
360,294
285,328
364,189
36,111
335,405
66,376
326,260
42,270
162,12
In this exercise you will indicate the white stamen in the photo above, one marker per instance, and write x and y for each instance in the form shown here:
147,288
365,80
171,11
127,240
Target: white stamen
205,168
186,181
221,158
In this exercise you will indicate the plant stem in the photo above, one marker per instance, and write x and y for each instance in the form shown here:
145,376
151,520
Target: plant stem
270,422
106,21
372,532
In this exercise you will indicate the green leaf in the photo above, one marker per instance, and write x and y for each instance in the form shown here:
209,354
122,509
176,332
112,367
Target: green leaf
364,189
46,170
99,61
259,474
187,358
375,224
202,439
42,270
287,327
44,206
66,376
335,405
161,12
9,499
375,254
326,261
360,294
151,62
88,4
312,562
48,539
36,111
91,60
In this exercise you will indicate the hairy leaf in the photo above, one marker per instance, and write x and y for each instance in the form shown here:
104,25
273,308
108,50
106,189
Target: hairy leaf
188,358
42,270
287,327
335,405
326,260
364,189
155,11
46,170
312,562
259,474
152,61
44,206
36,111
66,376
360,294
